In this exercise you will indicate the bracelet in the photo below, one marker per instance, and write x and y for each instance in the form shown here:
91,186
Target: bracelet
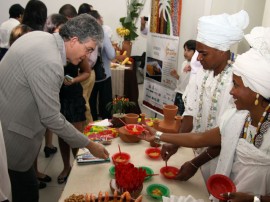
208,154
193,165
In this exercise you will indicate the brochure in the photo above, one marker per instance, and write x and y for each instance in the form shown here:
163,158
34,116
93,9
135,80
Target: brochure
88,158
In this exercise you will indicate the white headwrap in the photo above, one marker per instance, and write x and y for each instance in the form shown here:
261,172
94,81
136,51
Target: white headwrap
222,31
254,65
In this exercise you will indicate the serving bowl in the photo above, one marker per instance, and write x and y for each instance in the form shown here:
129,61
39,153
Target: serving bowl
218,184
169,172
157,191
134,129
153,152
120,158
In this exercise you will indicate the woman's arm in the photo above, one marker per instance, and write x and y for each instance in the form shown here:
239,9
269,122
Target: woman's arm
243,197
84,71
194,140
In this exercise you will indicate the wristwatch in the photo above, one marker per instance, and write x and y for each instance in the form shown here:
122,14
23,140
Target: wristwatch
257,198
157,137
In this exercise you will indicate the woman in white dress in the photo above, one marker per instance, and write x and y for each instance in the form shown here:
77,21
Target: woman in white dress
243,131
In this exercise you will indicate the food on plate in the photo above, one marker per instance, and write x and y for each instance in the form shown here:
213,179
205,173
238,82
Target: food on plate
169,174
119,159
125,61
91,198
157,192
134,129
154,154
153,69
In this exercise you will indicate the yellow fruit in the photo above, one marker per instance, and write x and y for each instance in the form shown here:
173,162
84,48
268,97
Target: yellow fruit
124,53
125,61
117,53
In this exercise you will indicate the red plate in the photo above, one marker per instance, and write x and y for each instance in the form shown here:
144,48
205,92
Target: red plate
134,129
218,184
169,172
122,158
153,152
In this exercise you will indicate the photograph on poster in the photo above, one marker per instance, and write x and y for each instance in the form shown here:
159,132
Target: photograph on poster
154,69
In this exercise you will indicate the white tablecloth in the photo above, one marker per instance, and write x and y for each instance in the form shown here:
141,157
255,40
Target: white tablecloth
96,177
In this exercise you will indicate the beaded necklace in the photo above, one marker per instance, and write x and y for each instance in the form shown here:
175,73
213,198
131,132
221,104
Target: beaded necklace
262,127
222,77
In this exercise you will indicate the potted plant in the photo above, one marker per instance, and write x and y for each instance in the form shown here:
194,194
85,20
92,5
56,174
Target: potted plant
118,107
128,29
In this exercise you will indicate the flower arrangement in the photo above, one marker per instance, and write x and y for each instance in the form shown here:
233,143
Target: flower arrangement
119,105
129,178
128,29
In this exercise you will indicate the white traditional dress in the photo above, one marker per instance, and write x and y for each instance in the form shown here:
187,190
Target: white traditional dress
206,100
247,166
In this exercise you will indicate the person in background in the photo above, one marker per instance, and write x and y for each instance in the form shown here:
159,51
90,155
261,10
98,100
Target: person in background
102,90
84,8
212,87
30,97
243,131
35,14
68,11
15,18
88,84
17,32
144,28
73,104
182,75
52,25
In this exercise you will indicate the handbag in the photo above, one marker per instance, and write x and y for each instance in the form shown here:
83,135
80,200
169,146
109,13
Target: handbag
99,68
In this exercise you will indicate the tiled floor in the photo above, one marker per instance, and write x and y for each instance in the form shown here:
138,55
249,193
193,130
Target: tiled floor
53,166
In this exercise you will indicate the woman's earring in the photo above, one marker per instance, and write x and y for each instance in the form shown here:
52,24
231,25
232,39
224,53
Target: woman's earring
257,99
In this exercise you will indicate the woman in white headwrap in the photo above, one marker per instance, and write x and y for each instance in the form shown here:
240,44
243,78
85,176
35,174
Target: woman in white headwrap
246,160
207,95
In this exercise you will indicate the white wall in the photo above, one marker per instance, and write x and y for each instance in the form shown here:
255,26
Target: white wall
266,17
111,10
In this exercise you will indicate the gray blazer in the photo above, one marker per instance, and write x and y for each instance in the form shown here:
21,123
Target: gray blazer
31,74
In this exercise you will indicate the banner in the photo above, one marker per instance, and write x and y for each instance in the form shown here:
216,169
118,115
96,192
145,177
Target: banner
162,53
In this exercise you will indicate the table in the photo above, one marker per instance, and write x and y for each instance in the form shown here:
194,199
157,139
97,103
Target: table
96,177
124,83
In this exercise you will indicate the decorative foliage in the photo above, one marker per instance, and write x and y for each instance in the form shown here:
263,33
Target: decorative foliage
128,177
134,8
119,105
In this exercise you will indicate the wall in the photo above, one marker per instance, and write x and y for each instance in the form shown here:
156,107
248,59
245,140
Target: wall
111,10
266,17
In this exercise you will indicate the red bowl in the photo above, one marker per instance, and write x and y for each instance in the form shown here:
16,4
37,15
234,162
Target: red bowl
134,129
169,172
122,158
153,152
218,184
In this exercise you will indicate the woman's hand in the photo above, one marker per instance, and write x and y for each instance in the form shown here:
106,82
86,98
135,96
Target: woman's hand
186,171
148,134
174,74
238,197
68,82
168,150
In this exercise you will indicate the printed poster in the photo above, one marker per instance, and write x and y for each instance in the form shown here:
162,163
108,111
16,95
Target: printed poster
162,54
